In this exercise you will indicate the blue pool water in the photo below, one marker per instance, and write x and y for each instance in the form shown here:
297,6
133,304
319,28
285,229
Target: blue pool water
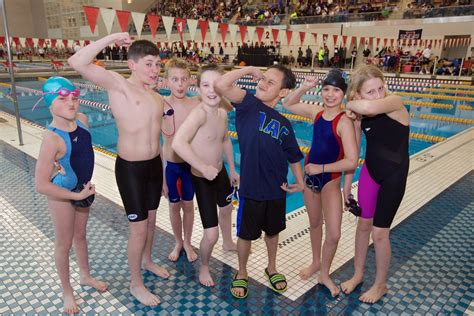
104,132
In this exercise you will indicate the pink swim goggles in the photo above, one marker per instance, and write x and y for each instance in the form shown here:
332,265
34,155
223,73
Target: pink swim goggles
63,92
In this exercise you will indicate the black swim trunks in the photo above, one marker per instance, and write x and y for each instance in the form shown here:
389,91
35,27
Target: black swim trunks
209,194
140,184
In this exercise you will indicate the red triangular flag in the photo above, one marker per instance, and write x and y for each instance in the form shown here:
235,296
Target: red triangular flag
123,17
41,42
16,40
65,42
391,41
385,40
344,40
371,40
203,25
275,34
180,26
243,30
91,14
315,37
334,39
353,41
223,27
53,42
302,36
153,21
378,41
259,31
289,34
362,40
29,42
2,40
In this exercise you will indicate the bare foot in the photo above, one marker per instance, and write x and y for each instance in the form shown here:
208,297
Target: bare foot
332,287
144,296
205,276
349,286
70,306
174,255
190,253
374,294
232,246
307,272
96,284
156,269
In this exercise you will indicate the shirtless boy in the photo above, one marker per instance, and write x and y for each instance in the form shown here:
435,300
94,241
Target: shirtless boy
201,141
138,111
177,182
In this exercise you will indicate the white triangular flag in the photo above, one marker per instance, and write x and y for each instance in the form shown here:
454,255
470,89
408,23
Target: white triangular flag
192,25
138,19
233,31
108,16
251,33
213,29
168,23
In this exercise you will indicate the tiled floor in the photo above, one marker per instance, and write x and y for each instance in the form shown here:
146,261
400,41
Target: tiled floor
431,270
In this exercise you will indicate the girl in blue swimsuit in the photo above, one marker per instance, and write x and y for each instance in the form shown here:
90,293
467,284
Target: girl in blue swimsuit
333,150
63,173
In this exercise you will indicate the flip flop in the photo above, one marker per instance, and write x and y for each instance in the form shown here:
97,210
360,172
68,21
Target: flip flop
240,284
274,279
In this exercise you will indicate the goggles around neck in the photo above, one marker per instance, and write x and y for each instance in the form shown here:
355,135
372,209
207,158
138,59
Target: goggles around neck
63,92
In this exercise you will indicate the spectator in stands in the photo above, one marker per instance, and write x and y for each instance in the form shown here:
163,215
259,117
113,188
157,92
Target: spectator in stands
353,56
309,56
425,60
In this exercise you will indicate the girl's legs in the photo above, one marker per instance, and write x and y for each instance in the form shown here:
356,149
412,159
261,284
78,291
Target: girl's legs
364,227
332,210
80,246
312,202
382,260
63,214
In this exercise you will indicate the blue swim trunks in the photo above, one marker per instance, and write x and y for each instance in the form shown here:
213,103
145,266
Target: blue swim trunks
178,179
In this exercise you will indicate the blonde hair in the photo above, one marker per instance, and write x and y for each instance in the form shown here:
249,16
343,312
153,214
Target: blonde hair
360,76
176,63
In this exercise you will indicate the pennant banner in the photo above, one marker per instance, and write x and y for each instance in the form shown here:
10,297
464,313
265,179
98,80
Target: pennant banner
302,36
138,20
108,16
243,30
123,17
223,28
168,23
192,26
91,14
275,34
251,32
213,29
289,34
153,21
203,25
259,31
233,32
180,26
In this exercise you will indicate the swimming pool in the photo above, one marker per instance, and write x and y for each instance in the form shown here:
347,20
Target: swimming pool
430,117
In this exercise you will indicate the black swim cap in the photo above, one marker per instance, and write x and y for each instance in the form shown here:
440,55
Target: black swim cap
337,78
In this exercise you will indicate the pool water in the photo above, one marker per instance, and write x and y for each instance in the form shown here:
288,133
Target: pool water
104,131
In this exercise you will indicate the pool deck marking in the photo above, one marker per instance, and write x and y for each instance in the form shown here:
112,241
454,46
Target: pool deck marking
447,158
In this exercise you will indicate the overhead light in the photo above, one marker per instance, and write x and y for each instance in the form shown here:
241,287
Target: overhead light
129,1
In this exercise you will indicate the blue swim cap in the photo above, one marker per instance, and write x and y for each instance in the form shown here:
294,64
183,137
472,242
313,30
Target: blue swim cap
54,84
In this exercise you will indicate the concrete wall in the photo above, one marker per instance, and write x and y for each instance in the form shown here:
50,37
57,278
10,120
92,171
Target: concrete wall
21,20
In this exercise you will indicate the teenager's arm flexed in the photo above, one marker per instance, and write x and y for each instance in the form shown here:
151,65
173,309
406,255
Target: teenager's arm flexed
82,61
225,85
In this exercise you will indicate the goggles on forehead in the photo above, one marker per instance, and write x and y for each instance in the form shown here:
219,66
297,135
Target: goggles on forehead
63,92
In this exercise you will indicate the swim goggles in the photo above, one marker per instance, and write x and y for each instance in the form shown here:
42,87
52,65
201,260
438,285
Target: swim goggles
352,206
234,196
313,183
63,92
169,112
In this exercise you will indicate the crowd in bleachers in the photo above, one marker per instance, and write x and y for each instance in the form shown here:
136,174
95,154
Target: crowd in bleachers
431,9
211,10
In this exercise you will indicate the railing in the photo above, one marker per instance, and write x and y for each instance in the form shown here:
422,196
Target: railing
464,10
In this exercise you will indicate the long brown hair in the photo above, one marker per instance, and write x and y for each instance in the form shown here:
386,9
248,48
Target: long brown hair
360,76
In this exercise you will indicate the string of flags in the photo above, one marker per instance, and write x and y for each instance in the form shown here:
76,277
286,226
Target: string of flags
267,34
